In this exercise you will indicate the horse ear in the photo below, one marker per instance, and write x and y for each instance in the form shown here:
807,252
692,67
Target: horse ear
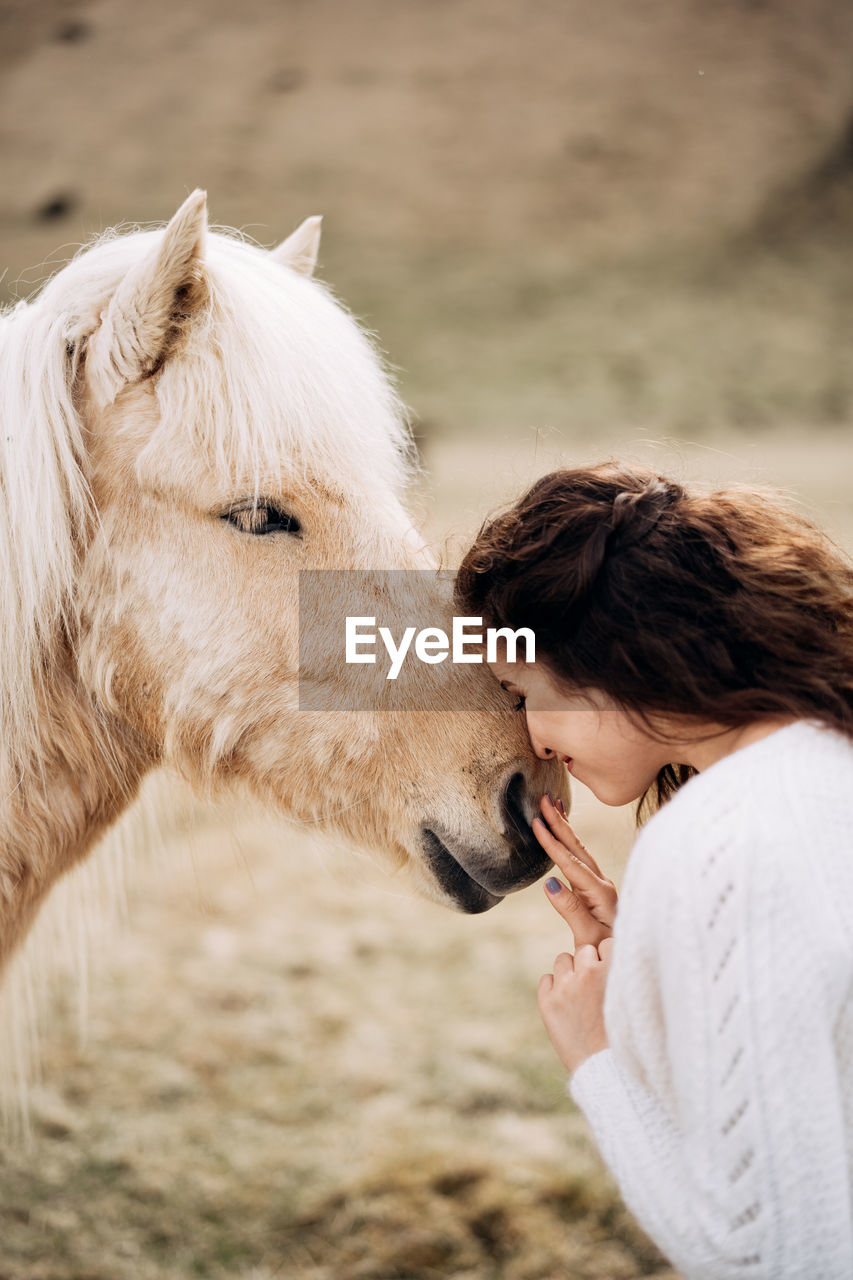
151,304
299,251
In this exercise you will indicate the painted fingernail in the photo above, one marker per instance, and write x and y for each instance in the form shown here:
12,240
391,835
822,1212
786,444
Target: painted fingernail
550,799
561,807
553,885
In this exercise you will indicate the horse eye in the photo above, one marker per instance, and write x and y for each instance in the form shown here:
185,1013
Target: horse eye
262,518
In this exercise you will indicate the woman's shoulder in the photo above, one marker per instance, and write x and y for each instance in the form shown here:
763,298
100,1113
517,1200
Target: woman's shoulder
796,781
760,823
804,751
777,809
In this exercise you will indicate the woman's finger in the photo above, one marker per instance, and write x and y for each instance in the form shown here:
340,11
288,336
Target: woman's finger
561,829
583,924
596,891
586,957
577,871
546,985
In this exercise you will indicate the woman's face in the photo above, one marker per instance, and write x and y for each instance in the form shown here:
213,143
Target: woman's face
596,740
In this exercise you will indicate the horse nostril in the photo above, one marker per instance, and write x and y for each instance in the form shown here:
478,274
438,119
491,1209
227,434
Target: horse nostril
513,809
527,861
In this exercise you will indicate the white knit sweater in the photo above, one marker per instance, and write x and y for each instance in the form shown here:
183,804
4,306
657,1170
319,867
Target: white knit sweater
724,1105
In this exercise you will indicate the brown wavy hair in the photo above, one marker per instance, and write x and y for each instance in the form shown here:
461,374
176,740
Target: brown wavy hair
725,607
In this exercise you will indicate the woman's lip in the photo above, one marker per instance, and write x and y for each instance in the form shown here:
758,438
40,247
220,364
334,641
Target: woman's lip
567,761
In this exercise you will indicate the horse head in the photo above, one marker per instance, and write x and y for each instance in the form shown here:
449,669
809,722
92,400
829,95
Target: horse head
194,423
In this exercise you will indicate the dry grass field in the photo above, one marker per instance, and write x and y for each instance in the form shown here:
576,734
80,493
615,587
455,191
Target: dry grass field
616,230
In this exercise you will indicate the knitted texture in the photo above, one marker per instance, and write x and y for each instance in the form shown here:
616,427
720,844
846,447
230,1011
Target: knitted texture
724,1104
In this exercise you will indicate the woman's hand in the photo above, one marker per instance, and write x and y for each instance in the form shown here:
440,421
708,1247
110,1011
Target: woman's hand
588,904
571,1001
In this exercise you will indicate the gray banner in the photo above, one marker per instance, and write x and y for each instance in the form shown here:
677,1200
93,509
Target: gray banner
390,640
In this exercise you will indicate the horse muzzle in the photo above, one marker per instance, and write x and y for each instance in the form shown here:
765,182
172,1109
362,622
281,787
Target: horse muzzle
475,884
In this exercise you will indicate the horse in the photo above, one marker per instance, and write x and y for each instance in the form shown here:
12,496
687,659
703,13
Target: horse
188,422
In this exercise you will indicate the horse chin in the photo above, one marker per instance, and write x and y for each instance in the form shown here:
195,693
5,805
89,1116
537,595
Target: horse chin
466,893
476,888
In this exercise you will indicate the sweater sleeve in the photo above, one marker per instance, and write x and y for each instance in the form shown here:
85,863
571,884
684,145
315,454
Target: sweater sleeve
718,1105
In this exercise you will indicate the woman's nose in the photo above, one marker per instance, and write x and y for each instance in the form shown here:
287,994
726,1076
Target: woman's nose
539,748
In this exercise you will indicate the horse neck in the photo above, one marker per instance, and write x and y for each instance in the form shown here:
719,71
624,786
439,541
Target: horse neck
79,775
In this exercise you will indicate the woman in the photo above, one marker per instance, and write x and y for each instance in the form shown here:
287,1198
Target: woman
695,653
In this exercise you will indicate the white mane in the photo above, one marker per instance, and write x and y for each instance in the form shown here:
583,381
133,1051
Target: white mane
44,503
273,378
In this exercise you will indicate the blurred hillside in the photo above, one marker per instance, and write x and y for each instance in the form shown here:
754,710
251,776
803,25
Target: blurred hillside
564,214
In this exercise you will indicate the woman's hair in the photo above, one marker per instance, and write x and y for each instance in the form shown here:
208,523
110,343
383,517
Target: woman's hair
725,606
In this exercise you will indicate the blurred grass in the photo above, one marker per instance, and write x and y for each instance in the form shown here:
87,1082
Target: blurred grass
294,1068
747,336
